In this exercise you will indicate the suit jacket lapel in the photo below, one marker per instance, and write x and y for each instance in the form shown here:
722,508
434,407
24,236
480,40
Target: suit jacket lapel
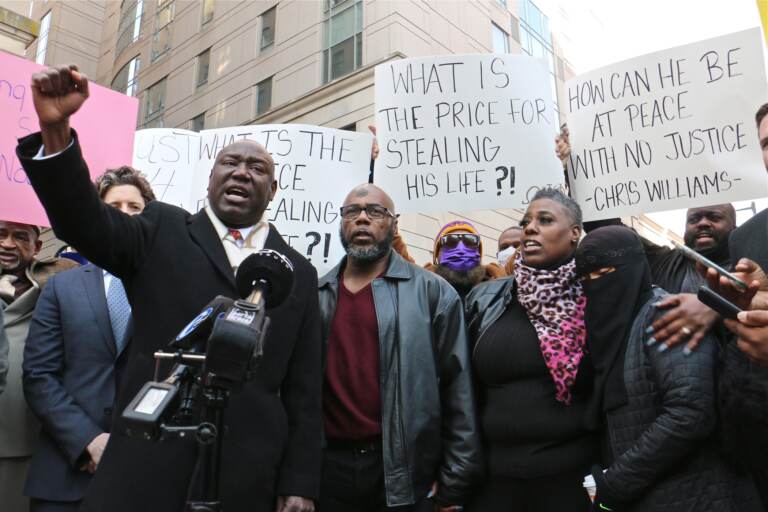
274,240
93,280
203,232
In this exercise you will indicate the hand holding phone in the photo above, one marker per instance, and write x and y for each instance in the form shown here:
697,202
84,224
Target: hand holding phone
698,258
726,308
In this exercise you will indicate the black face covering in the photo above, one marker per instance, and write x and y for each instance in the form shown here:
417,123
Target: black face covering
613,301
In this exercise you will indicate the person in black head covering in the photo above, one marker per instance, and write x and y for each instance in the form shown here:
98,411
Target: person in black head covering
658,407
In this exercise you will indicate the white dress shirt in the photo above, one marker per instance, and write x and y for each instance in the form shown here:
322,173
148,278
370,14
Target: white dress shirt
252,240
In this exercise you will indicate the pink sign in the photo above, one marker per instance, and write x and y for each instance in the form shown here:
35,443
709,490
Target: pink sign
105,124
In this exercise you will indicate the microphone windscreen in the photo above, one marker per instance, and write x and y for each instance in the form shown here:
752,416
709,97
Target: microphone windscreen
266,266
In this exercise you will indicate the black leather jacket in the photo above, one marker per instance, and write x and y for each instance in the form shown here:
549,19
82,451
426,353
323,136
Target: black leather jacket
429,427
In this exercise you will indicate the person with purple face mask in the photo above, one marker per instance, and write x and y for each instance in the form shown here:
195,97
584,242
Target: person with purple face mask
457,257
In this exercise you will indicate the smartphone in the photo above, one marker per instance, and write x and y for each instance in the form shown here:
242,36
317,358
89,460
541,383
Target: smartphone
726,308
690,253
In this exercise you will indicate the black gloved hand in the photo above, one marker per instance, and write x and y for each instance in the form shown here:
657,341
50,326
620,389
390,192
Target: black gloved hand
604,500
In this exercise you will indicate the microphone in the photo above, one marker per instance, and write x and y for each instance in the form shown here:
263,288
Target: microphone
266,275
194,336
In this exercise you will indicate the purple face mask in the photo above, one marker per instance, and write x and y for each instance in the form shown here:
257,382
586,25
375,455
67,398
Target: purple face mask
460,258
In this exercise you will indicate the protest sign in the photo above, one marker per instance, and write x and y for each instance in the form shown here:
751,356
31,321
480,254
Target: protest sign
672,129
465,132
105,144
168,158
315,168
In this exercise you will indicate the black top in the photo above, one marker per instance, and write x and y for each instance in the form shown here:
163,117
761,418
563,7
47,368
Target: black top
527,432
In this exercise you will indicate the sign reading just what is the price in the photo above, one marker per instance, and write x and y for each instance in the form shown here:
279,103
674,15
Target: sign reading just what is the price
465,132
672,129
315,168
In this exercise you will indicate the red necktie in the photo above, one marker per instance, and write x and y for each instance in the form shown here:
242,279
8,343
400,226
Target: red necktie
236,234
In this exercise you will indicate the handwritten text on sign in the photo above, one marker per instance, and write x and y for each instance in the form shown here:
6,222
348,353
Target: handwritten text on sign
102,148
672,129
465,132
315,168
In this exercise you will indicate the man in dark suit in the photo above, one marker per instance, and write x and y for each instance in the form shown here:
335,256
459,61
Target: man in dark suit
79,329
172,263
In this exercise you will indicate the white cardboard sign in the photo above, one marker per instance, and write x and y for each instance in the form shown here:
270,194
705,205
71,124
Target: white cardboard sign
315,167
672,129
465,132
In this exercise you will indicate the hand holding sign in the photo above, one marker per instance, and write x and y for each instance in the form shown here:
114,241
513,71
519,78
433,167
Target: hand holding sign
57,94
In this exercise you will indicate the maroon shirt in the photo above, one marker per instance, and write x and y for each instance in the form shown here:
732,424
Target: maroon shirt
351,392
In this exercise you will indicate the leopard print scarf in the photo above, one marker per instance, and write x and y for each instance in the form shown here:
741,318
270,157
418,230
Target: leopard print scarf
554,302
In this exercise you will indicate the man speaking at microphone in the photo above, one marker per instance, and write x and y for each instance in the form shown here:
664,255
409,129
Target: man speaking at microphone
171,264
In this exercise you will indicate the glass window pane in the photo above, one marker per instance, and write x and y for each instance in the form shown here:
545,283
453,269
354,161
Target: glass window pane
155,99
203,65
42,39
164,16
343,58
343,26
161,39
207,10
126,80
500,39
525,40
198,122
515,27
268,28
342,38
263,96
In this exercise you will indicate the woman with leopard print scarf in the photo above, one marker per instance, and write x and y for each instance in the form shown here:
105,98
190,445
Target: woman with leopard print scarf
528,339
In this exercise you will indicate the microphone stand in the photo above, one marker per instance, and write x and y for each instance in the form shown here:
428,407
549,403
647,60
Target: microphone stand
205,497
209,439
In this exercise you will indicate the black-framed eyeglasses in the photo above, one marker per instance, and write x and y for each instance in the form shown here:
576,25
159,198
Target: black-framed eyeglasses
452,240
372,211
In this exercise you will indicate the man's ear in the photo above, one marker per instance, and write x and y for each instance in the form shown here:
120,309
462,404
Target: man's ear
273,190
38,245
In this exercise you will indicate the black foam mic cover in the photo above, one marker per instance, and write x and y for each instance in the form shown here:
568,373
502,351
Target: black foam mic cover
269,270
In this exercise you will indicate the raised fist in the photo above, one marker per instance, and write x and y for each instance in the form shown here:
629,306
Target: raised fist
57,93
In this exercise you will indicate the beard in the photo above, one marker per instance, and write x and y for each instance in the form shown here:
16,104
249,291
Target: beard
463,282
371,253
718,251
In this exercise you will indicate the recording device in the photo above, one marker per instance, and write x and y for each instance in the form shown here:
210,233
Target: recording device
220,347
215,354
726,308
690,253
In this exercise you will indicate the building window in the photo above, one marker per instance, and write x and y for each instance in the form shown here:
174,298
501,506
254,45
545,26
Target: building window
268,28
203,65
349,128
500,39
515,27
535,20
130,24
207,11
536,40
263,96
161,39
343,43
198,123
126,80
42,39
502,2
154,104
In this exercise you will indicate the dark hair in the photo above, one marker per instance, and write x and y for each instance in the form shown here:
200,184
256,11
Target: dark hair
573,208
124,175
761,112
